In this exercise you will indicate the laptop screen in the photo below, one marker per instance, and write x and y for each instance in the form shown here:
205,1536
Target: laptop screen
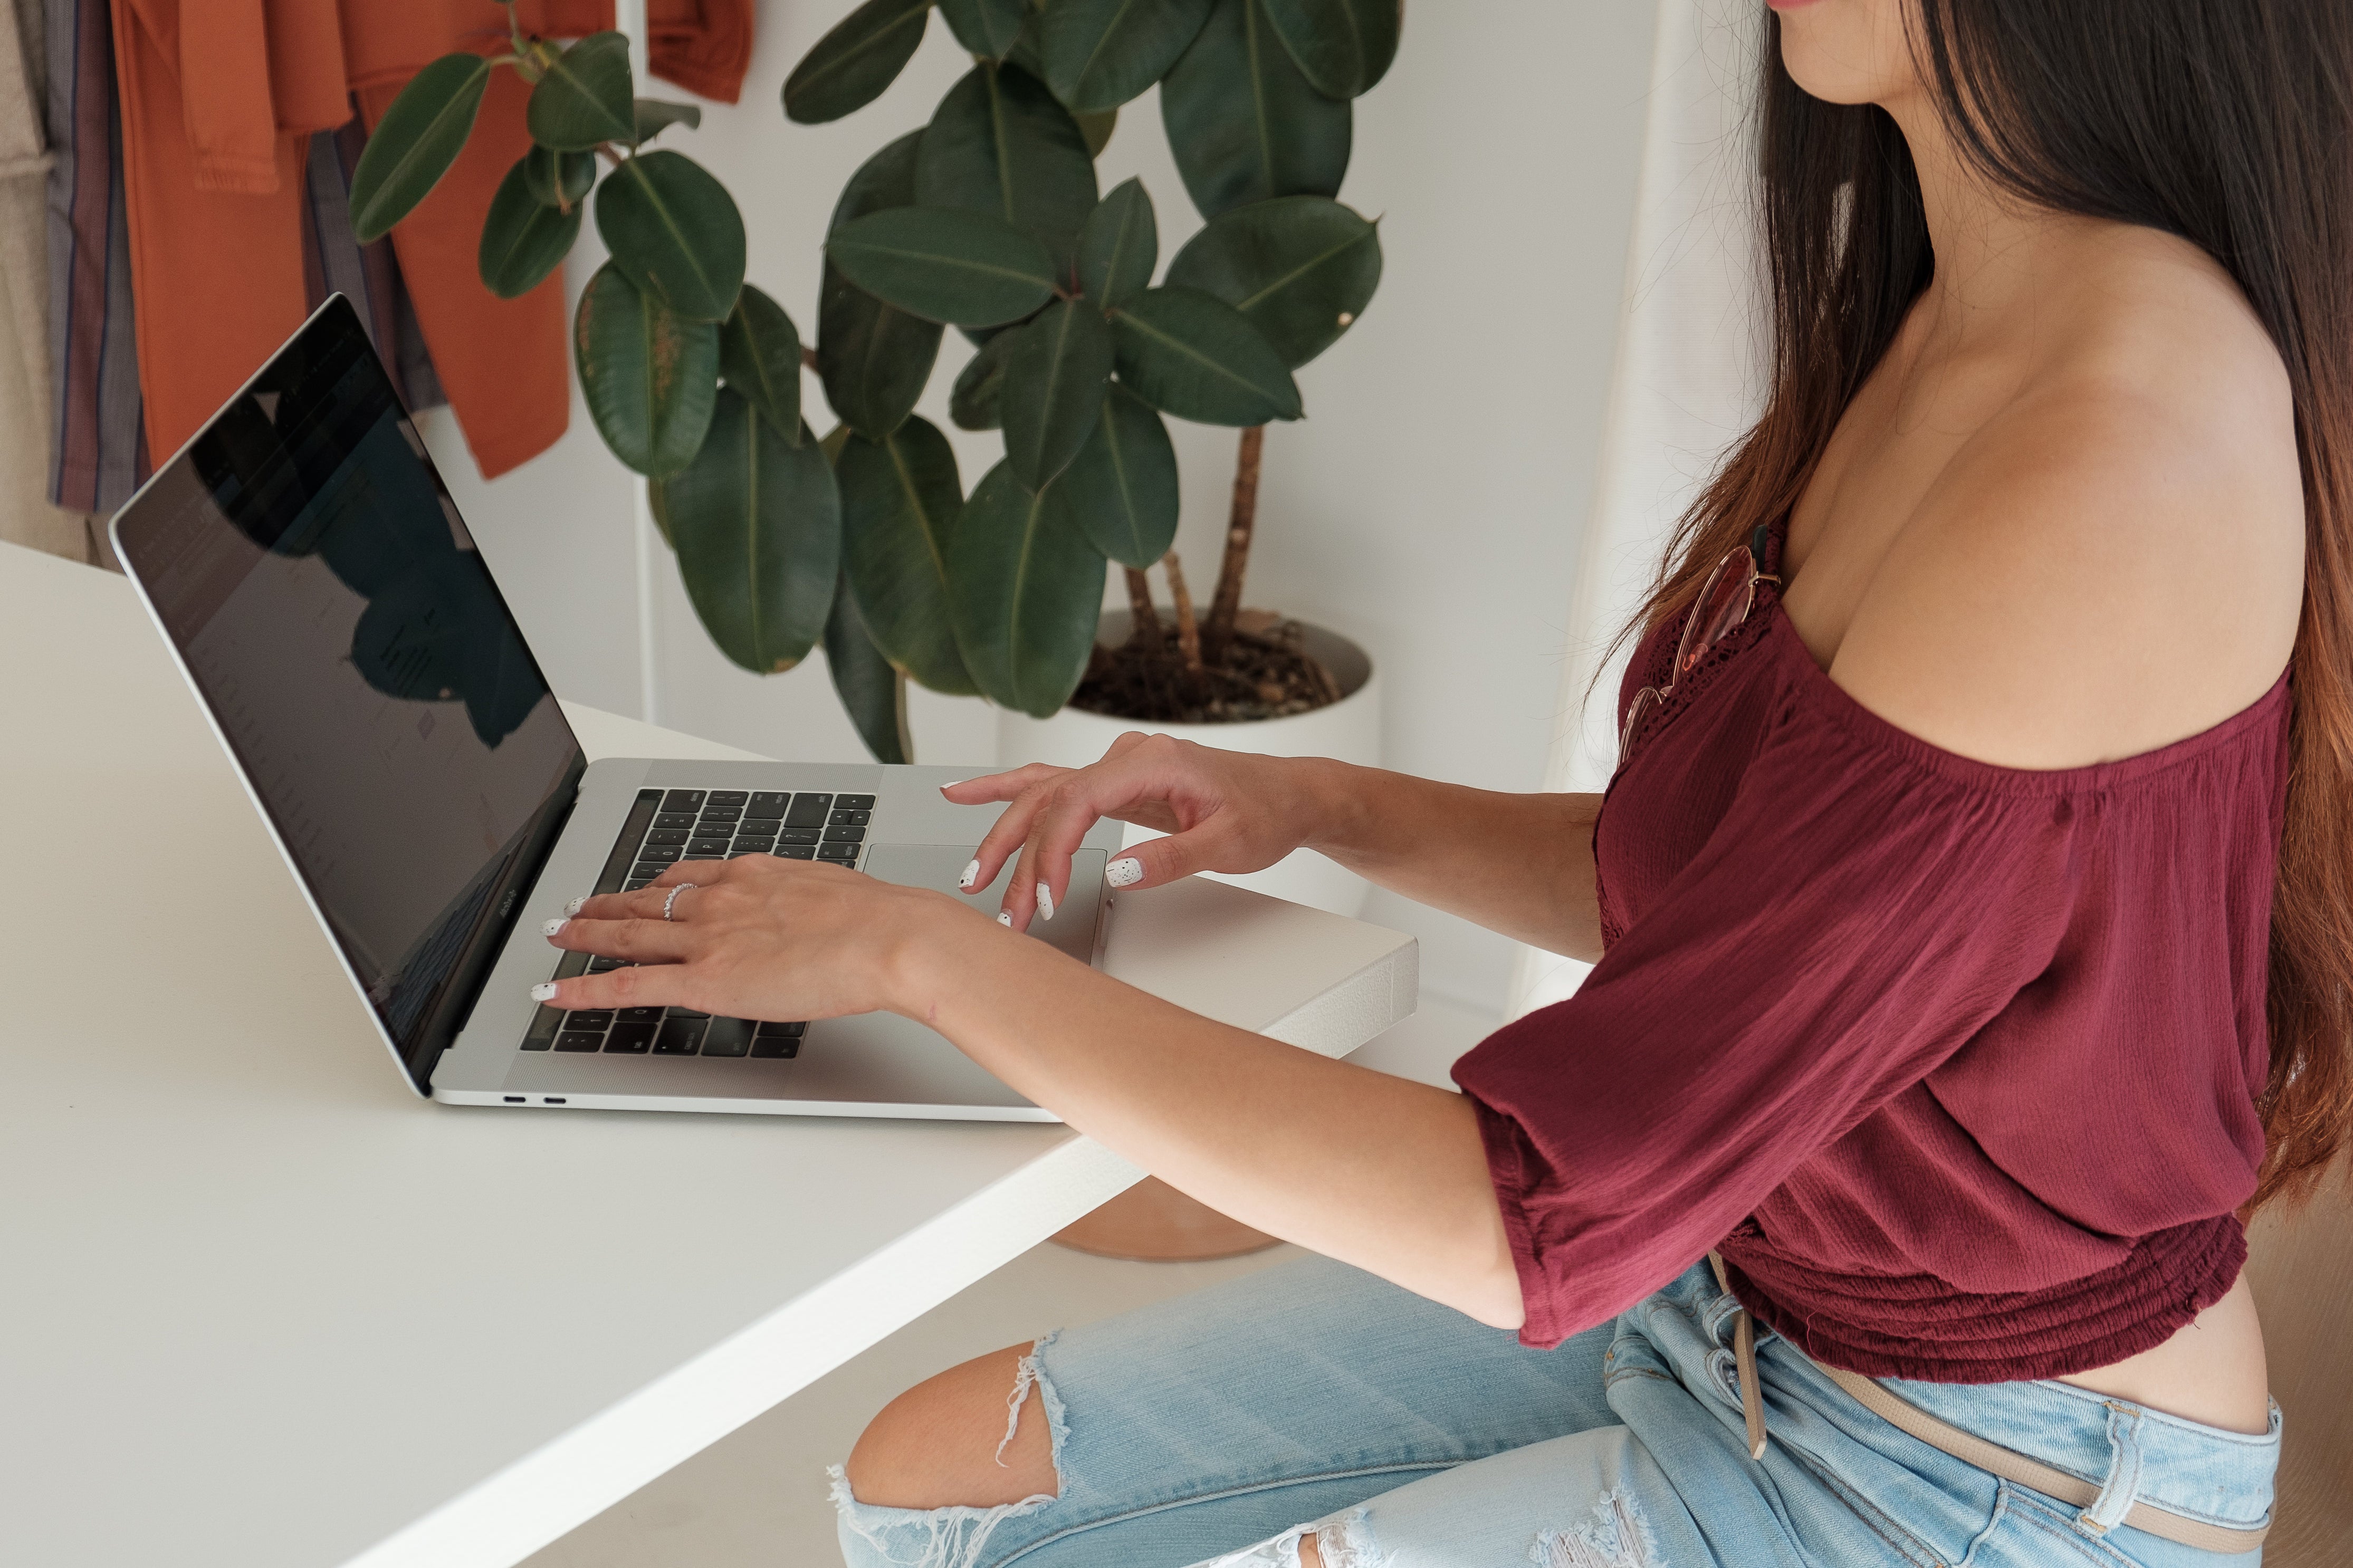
330,606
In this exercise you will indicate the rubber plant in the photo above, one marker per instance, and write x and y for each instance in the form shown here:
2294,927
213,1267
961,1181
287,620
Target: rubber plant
987,219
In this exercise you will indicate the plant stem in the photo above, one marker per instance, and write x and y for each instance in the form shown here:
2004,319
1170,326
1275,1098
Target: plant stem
1240,523
1188,633
1147,629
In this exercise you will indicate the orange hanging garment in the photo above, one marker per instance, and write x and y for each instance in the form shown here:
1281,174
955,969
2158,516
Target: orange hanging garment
219,98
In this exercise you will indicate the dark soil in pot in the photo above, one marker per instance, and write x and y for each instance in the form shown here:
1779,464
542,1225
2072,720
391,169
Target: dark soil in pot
1269,667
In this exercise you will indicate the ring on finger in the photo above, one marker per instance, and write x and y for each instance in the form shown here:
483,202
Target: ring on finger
670,902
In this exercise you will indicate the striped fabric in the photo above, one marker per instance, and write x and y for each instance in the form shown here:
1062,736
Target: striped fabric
100,446
336,262
100,453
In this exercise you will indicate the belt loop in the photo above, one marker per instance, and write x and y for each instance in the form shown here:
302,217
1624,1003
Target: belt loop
2122,1488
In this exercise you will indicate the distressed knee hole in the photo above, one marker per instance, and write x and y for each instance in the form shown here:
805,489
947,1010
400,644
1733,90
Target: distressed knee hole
1028,1374
958,1535
1614,1535
1347,1542
1342,1540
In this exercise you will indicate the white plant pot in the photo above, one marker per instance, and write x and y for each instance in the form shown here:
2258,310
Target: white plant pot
1348,731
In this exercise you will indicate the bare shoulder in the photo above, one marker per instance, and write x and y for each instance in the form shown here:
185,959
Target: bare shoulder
2115,560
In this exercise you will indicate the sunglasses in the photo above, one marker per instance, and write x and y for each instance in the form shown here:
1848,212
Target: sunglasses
1723,603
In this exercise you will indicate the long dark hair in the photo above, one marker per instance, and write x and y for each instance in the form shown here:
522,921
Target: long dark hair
2227,123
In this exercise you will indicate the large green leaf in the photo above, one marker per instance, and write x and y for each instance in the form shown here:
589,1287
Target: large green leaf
985,28
1122,487
1097,129
650,377
1199,358
659,510
851,66
584,101
873,694
1244,124
874,360
1119,246
1301,268
1025,589
675,231
1054,377
760,355
1099,53
758,525
1000,143
1343,47
415,142
900,498
559,179
976,402
522,241
885,180
1024,52
945,264
655,115
873,357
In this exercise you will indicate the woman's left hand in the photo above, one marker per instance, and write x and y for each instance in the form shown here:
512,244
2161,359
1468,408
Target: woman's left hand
754,937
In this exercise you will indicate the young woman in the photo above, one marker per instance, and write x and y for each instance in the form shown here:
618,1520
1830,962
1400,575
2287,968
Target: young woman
1973,907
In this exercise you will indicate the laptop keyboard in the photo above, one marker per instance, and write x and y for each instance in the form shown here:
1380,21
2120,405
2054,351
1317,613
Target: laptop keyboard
664,827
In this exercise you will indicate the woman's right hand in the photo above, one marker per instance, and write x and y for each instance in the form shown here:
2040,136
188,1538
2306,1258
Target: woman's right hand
1222,811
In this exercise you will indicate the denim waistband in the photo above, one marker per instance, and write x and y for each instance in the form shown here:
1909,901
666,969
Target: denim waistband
2125,1451
2197,1471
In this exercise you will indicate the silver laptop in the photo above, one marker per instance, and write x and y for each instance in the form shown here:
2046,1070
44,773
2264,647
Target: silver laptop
328,606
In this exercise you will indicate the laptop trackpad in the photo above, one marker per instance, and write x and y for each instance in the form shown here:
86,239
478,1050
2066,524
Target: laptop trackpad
938,866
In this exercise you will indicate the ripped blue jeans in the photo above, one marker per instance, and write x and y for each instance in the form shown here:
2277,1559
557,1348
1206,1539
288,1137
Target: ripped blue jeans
1217,1428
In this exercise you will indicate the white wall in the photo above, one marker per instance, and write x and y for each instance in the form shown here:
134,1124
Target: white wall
1429,505
1689,380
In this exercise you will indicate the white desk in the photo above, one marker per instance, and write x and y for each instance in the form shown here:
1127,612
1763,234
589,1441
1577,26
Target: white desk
260,1306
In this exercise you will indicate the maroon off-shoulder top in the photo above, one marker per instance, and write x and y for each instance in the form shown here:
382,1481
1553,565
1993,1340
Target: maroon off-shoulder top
1957,1063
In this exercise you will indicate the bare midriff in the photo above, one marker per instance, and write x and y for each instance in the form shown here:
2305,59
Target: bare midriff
2211,1372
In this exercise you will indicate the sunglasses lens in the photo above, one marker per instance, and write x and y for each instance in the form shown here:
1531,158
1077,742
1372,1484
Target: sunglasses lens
1723,601
1730,607
1644,700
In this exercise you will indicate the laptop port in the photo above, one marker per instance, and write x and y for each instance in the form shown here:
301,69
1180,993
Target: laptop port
514,1099
551,1099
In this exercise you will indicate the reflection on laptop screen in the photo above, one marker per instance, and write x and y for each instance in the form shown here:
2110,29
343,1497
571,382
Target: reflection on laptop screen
328,603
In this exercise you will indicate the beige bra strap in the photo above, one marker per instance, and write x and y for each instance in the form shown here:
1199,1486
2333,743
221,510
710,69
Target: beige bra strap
1972,1450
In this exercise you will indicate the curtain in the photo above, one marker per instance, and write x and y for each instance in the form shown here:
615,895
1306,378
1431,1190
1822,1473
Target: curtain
1686,382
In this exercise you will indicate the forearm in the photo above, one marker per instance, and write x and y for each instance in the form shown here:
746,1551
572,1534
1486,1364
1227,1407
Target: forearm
1518,864
1376,1171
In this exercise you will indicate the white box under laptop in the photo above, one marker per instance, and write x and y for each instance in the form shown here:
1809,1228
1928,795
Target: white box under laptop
325,603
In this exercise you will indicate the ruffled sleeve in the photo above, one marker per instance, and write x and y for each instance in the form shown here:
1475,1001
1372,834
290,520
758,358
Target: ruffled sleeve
1857,915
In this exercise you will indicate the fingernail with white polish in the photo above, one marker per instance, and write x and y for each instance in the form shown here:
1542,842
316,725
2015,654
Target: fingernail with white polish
543,992
1045,901
971,874
957,785
551,927
1124,872
576,905
1005,916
